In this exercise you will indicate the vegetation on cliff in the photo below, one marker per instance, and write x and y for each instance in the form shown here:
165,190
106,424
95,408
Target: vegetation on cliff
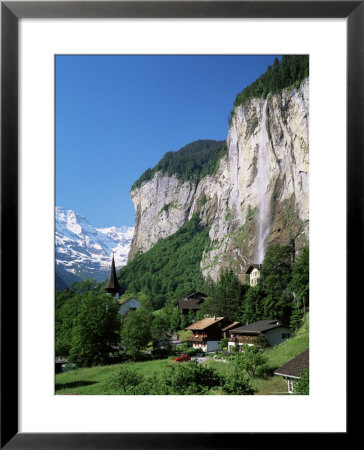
192,162
170,268
285,74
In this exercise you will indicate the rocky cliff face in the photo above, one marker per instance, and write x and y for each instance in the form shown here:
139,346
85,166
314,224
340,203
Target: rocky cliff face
258,196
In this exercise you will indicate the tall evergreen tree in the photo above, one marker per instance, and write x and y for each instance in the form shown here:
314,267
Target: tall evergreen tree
300,277
225,296
275,277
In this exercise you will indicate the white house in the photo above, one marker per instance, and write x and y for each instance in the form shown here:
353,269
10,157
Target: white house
254,272
274,331
128,304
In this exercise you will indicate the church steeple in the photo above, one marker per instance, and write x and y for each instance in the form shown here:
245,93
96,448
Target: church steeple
112,285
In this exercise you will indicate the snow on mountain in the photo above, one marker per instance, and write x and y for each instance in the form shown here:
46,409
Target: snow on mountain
85,250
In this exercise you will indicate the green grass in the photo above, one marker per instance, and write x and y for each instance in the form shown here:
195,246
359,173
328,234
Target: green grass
284,352
90,381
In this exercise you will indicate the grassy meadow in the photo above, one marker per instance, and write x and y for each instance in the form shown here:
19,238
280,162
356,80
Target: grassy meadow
91,381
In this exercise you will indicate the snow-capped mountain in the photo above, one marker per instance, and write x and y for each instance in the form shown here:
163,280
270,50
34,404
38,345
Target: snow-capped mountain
85,250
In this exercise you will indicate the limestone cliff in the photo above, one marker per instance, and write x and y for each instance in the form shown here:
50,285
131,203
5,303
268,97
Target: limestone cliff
258,196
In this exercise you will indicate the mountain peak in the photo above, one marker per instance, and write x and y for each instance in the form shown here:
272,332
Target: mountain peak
84,249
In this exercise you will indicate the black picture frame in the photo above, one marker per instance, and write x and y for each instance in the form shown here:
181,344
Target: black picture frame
11,12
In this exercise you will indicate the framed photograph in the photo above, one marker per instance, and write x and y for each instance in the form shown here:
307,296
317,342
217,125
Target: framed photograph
89,110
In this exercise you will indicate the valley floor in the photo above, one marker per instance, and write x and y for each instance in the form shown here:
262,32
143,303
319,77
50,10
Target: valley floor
91,381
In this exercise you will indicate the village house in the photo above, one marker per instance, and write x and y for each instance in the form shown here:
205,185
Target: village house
292,370
207,333
254,273
226,329
128,304
191,302
274,331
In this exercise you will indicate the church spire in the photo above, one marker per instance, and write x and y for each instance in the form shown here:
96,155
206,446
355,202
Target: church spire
112,285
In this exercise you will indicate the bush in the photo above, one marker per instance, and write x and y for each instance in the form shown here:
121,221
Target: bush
192,379
224,343
264,371
185,379
237,384
123,381
302,386
250,359
261,341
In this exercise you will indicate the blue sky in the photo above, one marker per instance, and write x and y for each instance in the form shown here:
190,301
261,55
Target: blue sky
116,116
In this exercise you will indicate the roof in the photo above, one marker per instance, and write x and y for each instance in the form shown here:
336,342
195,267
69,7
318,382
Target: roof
124,300
112,282
204,323
293,368
252,267
189,303
196,295
259,327
234,324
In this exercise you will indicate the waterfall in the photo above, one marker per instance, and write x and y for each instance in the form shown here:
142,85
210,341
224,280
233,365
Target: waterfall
262,184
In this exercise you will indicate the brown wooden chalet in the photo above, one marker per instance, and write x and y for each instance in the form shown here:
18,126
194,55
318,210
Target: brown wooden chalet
292,370
274,331
207,333
191,302
112,285
226,330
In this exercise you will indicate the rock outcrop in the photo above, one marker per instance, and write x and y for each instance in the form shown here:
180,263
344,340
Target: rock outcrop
257,197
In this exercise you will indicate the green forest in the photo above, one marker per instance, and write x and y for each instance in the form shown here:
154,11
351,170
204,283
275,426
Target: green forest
170,268
192,162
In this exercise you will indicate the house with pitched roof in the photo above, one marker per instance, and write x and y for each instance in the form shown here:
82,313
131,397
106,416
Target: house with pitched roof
274,331
292,370
128,304
191,302
254,273
207,333
226,330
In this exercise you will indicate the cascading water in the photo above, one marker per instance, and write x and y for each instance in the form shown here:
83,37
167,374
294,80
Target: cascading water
262,184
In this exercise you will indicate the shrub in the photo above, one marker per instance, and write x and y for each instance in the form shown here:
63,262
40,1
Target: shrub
192,379
237,384
123,381
250,359
261,341
302,386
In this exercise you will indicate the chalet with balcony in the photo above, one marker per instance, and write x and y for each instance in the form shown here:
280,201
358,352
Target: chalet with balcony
274,330
254,273
292,370
207,333
191,302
